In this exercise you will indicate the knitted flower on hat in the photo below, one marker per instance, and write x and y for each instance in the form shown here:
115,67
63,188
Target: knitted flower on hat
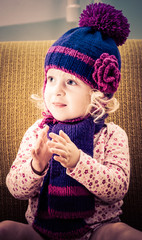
106,73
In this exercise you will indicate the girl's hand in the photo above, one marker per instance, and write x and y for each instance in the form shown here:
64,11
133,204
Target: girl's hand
68,153
41,154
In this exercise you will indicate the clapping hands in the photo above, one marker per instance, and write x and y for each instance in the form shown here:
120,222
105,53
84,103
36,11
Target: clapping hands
64,149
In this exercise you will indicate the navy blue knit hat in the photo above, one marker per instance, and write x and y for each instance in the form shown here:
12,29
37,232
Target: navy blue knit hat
90,51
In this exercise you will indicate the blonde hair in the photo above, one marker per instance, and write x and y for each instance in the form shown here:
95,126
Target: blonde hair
100,104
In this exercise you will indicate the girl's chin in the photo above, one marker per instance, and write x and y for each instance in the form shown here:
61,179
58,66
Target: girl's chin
61,119
64,117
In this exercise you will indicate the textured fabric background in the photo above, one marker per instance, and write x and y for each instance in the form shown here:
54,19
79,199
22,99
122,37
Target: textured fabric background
22,73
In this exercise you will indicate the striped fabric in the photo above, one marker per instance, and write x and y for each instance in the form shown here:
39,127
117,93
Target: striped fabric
76,52
74,202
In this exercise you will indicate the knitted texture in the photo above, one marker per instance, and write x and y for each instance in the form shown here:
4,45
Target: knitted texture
107,19
106,73
76,52
102,28
66,199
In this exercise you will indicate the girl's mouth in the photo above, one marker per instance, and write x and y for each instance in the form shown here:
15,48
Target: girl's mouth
58,104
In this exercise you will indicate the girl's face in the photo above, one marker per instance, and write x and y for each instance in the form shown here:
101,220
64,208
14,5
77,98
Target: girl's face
66,97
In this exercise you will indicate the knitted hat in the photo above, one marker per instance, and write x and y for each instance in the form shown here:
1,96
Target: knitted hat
90,51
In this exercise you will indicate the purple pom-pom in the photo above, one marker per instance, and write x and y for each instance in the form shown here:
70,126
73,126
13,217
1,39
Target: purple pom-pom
106,19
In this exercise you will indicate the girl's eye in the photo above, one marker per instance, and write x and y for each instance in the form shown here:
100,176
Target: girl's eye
71,82
50,79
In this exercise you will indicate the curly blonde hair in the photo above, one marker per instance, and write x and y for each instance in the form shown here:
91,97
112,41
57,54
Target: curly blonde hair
101,104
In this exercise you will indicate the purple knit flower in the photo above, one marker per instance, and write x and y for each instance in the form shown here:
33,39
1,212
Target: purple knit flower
106,73
106,19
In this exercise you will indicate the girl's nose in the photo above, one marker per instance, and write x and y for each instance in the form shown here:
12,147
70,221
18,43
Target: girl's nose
59,90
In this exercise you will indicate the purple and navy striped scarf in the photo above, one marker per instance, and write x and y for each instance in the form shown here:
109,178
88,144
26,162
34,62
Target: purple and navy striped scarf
64,203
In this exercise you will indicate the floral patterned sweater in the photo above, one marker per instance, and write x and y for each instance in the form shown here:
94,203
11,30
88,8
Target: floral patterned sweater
106,175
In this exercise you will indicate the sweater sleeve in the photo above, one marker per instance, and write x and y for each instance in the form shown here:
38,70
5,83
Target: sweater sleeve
21,181
107,174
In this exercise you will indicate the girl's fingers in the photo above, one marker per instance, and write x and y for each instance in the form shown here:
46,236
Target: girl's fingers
53,144
59,152
43,133
42,139
62,137
65,136
60,159
39,142
57,138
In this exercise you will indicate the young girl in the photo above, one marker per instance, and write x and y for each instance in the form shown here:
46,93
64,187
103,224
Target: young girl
72,167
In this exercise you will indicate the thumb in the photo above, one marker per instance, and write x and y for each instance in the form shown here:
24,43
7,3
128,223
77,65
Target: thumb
46,129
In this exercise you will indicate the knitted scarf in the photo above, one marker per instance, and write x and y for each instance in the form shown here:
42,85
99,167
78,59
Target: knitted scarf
64,203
